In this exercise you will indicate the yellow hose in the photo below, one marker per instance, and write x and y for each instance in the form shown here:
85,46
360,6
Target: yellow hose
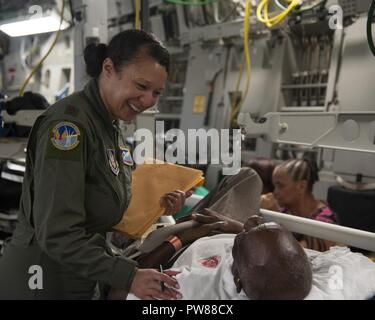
247,59
246,48
263,16
137,12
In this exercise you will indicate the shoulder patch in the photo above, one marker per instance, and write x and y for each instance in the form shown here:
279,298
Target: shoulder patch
65,136
112,161
126,156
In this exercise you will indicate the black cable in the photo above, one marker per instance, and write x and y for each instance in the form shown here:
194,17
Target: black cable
210,96
71,11
186,17
205,15
369,27
145,14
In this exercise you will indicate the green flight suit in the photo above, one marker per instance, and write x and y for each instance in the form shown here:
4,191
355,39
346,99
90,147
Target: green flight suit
76,188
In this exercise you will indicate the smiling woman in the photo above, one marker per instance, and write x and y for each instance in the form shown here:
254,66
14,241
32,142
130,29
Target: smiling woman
77,183
133,90
130,82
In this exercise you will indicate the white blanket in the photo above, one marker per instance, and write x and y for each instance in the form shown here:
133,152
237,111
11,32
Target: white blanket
206,272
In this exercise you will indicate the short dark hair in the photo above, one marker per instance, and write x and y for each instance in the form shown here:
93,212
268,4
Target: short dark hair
125,48
264,168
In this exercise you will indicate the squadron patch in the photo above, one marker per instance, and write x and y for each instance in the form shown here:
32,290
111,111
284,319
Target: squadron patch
65,136
126,157
113,164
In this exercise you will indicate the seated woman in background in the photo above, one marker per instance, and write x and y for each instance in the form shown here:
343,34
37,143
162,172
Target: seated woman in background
293,194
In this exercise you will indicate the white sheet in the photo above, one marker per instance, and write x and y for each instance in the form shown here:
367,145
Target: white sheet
206,274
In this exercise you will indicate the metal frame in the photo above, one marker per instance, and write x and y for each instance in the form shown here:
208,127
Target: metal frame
336,130
348,236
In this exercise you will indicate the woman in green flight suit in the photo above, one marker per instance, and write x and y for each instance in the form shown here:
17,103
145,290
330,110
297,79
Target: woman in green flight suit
78,179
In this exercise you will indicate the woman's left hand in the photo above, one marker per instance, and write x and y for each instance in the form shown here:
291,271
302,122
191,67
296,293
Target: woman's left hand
174,201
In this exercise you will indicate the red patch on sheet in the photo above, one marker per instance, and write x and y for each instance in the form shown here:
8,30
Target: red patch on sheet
211,262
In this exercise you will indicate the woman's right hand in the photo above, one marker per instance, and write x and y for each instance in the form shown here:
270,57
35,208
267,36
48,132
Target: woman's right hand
146,285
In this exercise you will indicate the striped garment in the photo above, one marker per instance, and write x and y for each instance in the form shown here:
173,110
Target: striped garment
325,214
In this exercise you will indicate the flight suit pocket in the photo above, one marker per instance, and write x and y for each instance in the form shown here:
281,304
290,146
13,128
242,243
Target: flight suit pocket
22,237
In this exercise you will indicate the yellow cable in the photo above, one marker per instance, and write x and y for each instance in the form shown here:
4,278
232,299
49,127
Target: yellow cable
137,12
46,55
246,48
272,21
263,16
246,58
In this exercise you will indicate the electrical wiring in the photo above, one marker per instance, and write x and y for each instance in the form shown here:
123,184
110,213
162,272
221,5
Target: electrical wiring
246,59
71,11
230,13
304,8
246,48
210,97
191,3
263,16
312,6
280,5
369,27
137,13
235,104
47,54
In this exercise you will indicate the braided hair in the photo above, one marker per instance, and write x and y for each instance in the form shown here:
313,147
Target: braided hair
302,169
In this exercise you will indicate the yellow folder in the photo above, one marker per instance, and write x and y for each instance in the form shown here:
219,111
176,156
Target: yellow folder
150,182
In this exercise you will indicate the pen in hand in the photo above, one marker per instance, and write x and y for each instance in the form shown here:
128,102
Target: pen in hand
162,284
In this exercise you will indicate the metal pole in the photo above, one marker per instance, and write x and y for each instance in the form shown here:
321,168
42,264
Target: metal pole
348,236
145,14
323,230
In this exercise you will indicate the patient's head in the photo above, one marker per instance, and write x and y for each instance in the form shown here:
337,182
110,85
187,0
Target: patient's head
269,263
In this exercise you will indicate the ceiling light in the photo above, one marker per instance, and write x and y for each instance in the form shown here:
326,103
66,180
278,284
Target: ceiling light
29,26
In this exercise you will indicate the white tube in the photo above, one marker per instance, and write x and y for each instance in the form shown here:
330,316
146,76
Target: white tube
323,230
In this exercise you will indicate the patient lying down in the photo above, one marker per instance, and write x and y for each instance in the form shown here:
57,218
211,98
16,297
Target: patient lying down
265,262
